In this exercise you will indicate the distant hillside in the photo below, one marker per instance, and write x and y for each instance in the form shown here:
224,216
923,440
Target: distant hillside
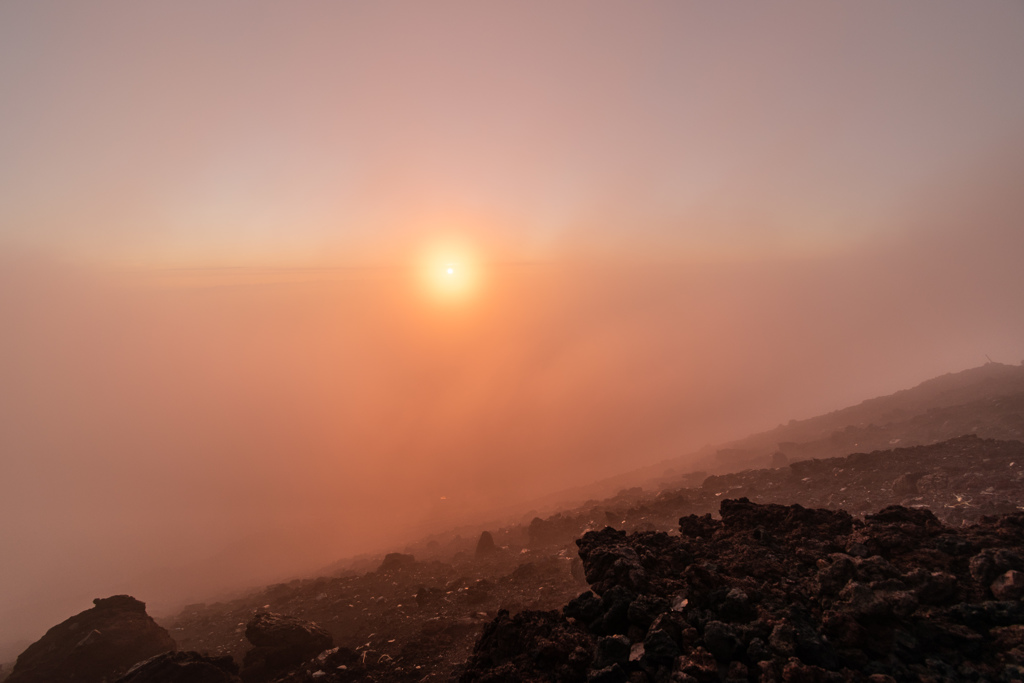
987,401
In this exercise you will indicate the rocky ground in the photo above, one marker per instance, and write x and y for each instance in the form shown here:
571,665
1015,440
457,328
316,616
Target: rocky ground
407,620
780,593
652,586
429,614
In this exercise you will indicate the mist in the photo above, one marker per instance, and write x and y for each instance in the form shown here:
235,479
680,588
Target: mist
219,366
174,434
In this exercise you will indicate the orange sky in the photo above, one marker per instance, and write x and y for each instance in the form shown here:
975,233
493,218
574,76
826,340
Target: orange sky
231,349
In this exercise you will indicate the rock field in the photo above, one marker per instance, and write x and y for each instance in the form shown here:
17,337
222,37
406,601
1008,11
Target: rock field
898,565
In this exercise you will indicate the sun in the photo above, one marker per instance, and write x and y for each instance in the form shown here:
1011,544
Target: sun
449,272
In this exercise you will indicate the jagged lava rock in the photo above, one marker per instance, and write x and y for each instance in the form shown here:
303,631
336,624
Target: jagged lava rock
777,593
96,645
528,646
609,560
183,667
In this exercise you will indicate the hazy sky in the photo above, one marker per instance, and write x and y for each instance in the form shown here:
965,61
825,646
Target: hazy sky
180,132
230,348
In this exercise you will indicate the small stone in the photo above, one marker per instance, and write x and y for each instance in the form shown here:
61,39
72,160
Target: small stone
1009,586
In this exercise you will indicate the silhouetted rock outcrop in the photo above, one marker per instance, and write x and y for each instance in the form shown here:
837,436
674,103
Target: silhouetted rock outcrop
183,667
96,645
485,546
280,642
394,562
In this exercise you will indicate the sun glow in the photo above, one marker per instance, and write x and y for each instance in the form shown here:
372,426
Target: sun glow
449,273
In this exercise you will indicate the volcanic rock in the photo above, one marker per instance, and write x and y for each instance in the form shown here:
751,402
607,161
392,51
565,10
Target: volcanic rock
906,484
612,650
771,595
183,667
1009,586
280,642
485,546
530,646
609,560
394,562
96,645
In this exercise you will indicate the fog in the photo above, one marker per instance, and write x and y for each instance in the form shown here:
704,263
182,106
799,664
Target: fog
676,225
177,433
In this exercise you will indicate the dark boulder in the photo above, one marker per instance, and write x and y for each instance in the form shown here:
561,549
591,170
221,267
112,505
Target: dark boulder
614,617
586,608
660,647
645,610
609,560
428,596
906,484
485,546
396,562
721,640
98,644
530,646
1009,586
611,650
991,562
280,642
698,526
897,514
183,667
741,514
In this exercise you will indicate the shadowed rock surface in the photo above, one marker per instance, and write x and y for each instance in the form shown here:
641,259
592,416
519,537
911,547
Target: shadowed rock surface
485,546
96,645
280,642
183,667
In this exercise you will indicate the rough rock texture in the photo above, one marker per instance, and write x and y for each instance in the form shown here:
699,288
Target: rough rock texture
280,642
533,646
183,667
98,644
781,593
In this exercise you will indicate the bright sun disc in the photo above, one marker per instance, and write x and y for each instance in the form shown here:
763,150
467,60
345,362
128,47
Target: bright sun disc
449,273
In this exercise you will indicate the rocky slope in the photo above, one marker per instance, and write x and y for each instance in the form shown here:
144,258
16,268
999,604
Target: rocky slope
407,620
986,401
652,586
416,620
